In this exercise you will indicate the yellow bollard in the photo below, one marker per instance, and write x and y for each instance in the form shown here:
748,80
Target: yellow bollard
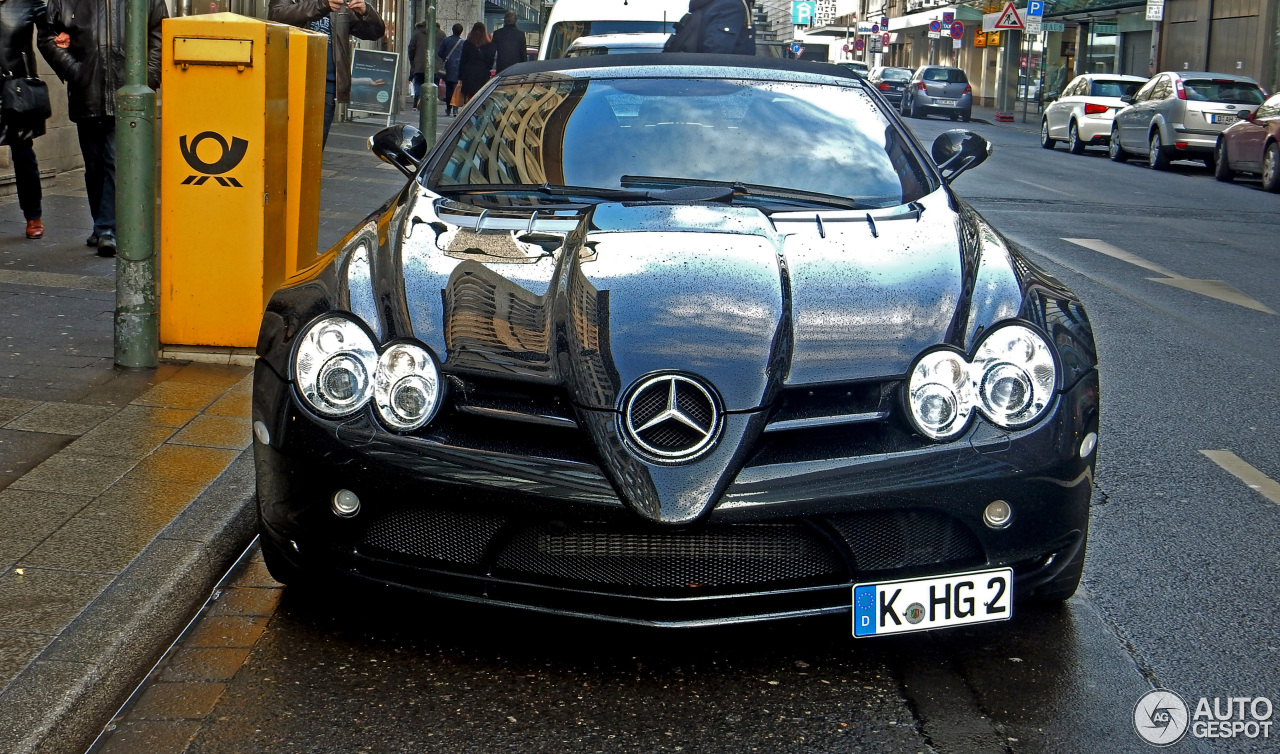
225,178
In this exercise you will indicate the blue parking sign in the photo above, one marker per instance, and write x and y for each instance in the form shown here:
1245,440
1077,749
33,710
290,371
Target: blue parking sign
1035,8
803,11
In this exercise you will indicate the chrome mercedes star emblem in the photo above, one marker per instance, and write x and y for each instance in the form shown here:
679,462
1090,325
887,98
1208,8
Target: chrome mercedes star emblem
672,418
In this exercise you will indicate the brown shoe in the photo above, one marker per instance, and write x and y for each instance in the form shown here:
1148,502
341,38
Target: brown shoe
35,229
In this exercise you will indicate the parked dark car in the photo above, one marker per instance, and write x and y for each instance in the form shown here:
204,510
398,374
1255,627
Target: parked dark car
591,362
938,90
1252,145
890,82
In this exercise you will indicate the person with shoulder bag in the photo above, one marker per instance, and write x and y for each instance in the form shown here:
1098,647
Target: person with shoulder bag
24,102
450,56
84,44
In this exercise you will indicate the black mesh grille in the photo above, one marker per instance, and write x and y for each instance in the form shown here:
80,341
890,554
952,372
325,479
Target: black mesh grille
713,557
647,405
671,437
441,535
695,406
888,540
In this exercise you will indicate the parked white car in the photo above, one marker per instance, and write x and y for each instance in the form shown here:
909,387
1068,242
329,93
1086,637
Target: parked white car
1082,115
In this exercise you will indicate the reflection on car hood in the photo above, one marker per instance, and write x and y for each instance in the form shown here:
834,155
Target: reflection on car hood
592,299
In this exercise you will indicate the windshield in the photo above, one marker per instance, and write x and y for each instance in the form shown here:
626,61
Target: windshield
1114,88
563,33
603,134
896,74
1223,90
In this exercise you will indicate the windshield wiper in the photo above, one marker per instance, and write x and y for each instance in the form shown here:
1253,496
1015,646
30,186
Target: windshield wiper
541,188
752,189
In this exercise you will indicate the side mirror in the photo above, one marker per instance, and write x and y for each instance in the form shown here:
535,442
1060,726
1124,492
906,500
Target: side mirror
400,145
1127,99
956,150
1248,115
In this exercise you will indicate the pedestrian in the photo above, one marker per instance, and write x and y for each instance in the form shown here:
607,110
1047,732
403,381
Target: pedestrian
18,18
450,55
476,65
418,61
317,15
75,41
508,43
726,26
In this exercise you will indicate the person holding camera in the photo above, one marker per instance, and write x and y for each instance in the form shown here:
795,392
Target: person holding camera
339,20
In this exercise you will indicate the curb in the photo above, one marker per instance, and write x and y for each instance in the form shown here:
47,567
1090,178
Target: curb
59,703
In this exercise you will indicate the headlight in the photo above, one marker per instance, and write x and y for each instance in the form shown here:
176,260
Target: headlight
1016,376
1010,380
334,366
406,387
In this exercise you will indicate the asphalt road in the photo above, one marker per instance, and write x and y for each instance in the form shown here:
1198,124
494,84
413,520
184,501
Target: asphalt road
1179,591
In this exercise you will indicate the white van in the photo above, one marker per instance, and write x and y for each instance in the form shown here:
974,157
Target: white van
571,19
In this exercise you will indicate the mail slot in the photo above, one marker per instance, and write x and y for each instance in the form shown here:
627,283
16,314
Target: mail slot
205,51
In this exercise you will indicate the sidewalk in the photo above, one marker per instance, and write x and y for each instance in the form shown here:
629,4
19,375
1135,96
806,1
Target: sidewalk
124,495
987,115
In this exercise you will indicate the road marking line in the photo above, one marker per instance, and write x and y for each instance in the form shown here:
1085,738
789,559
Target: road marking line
57,280
1218,289
1254,479
1042,188
1102,247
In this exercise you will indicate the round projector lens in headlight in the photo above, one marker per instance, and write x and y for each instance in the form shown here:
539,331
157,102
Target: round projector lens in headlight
406,386
1016,376
937,394
334,366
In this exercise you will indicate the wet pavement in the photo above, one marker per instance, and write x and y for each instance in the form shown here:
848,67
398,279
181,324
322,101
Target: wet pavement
1180,571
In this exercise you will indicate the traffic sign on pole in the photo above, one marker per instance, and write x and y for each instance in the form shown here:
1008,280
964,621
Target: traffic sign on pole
957,30
885,40
884,22
875,28
947,18
1010,18
859,45
1155,10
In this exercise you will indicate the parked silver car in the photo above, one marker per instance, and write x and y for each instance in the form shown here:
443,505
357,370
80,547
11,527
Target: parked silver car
1179,114
938,90
1083,114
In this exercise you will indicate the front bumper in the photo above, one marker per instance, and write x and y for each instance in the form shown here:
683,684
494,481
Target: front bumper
548,534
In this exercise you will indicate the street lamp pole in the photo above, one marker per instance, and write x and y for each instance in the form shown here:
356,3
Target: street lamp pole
137,337
427,104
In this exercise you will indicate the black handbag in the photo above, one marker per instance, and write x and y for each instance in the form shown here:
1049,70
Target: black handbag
24,99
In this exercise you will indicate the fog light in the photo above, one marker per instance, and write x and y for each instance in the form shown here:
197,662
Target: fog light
1087,445
260,432
997,514
345,503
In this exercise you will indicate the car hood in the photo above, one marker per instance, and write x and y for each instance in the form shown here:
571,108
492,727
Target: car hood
594,299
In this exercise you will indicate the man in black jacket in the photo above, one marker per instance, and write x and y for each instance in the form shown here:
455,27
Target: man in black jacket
77,46
726,26
510,43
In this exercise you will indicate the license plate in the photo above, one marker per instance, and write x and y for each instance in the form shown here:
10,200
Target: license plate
1224,119
948,102
895,607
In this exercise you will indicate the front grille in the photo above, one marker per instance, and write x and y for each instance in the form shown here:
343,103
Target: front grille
888,540
433,534
744,554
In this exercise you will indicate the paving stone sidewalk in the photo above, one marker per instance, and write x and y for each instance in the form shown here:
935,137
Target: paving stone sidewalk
98,464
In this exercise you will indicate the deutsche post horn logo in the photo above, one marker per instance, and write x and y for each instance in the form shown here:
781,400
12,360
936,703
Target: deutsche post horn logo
231,157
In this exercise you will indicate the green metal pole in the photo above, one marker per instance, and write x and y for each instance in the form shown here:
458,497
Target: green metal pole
427,104
137,337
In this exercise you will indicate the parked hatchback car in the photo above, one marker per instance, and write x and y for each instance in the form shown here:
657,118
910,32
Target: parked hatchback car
890,82
589,361
1179,115
617,44
1252,145
1082,115
938,90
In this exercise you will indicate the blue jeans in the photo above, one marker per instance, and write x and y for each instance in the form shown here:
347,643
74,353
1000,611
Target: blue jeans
98,145
330,94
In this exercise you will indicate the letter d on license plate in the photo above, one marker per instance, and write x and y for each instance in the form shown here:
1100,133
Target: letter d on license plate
895,607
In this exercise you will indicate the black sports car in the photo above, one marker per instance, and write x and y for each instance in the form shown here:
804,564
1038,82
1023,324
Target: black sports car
688,340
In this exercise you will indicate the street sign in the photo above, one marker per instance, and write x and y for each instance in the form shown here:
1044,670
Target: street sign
1035,8
885,40
875,28
846,48
884,22
875,45
957,30
1155,10
980,39
796,48
957,43
802,11
1010,18
993,39
859,45
1052,26
935,29
947,18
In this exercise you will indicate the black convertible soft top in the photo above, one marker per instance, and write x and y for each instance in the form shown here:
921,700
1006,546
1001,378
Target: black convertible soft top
685,59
